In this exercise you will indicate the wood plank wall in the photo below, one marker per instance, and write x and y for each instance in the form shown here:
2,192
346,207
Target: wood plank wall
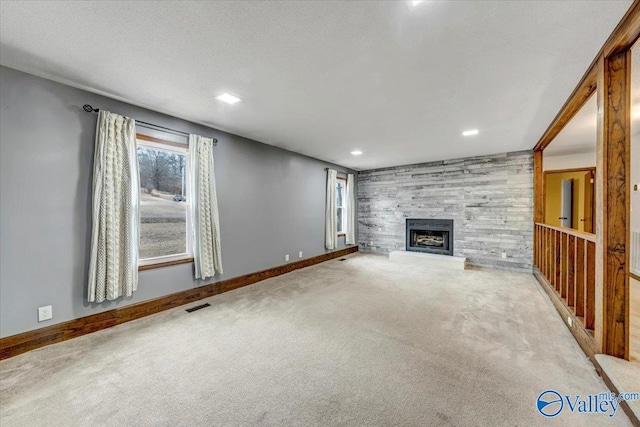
490,199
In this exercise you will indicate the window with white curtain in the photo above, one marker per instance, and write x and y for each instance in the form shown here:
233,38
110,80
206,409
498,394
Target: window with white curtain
164,206
341,205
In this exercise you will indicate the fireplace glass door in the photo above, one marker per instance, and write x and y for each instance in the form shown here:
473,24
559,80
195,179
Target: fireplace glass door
430,239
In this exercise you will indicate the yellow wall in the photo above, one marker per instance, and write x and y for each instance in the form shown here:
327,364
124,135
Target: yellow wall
553,192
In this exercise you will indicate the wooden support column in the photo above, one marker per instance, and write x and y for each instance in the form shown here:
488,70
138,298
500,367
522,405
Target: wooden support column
538,202
612,198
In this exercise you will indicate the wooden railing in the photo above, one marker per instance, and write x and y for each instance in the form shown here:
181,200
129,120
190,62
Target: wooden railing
566,259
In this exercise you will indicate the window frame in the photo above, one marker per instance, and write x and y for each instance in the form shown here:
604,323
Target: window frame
344,206
172,147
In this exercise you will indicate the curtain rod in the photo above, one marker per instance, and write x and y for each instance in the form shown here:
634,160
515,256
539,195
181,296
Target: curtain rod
89,109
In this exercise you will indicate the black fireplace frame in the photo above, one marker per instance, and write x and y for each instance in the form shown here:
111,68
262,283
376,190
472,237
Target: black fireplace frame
424,224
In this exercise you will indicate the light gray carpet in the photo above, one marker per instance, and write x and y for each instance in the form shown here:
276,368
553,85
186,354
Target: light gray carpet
358,342
625,375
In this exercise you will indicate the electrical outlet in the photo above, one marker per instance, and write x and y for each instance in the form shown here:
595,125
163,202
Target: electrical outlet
504,255
286,257
300,254
45,313
570,321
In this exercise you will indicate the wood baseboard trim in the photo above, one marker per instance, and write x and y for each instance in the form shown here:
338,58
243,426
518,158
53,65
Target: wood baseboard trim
582,335
27,341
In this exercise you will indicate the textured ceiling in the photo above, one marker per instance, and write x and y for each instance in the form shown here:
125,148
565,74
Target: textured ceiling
324,78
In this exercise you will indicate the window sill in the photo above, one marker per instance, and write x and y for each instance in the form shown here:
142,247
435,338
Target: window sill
164,264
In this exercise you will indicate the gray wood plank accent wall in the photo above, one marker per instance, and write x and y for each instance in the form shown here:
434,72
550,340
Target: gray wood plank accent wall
490,199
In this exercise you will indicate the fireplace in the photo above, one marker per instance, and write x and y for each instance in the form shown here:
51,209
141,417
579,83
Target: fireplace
430,235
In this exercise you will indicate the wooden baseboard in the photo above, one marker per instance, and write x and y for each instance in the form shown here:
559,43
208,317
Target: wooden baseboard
582,335
21,343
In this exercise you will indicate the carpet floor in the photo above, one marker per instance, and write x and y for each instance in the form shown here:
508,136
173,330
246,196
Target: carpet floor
352,343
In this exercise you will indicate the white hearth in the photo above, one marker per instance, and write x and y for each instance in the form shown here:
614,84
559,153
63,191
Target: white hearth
435,260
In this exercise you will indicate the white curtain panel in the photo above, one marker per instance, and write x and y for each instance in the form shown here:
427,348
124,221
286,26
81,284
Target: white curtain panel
204,208
113,265
350,238
331,213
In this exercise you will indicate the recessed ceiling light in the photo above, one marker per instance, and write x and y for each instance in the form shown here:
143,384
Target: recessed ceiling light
229,99
415,3
470,132
356,152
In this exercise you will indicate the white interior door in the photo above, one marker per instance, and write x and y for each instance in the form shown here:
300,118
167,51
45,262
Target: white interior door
566,204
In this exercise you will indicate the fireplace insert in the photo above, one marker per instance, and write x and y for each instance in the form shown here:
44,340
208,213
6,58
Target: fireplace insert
430,235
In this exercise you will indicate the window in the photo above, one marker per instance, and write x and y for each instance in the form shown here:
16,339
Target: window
341,205
164,207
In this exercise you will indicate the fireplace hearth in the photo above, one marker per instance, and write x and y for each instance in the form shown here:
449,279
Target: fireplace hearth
430,235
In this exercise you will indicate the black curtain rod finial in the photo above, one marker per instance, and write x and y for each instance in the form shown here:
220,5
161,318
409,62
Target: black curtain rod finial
89,109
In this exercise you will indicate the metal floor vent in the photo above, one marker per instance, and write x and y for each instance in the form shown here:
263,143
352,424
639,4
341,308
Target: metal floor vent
197,307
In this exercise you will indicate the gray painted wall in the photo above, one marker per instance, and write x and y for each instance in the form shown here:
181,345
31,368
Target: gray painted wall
489,198
271,203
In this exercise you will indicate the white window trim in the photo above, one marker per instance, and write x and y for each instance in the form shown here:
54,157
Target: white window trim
344,206
177,150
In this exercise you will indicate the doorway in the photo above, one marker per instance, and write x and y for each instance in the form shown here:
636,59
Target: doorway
569,198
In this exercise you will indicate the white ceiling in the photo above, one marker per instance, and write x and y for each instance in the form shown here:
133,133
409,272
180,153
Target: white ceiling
579,135
324,78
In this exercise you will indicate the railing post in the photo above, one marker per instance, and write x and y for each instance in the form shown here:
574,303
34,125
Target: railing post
590,290
558,261
571,262
580,277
